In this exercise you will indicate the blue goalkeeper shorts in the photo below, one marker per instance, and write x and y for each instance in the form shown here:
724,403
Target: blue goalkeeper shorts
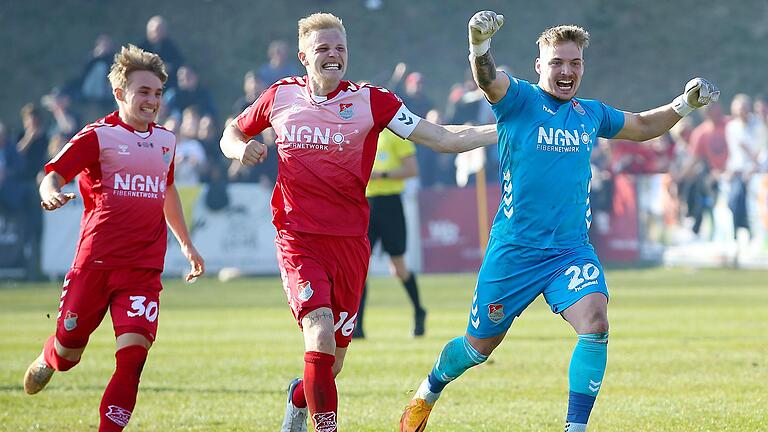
511,277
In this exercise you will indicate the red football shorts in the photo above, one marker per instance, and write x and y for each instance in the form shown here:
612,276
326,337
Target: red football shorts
131,295
324,271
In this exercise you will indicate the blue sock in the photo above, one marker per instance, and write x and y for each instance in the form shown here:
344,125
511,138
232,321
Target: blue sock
457,356
585,375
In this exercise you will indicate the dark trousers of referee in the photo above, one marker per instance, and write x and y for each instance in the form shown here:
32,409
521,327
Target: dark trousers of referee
387,224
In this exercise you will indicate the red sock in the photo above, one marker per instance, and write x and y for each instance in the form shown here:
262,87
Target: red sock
53,358
297,397
120,396
320,390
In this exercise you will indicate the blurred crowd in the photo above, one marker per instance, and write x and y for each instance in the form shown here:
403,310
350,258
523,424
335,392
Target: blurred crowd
705,157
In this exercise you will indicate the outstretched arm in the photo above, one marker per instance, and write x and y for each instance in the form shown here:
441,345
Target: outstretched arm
453,138
650,124
482,26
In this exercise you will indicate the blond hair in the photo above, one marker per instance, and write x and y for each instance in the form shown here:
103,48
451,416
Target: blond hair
318,21
132,58
564,33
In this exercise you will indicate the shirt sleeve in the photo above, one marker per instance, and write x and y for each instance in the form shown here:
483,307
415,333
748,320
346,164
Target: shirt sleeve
81,152
612,122
386,107
254,119
513,99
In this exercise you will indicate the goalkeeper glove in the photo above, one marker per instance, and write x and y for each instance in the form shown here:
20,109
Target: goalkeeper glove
482,26
698,92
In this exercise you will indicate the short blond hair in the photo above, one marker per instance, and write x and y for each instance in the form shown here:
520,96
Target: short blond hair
318,21
564,33
132,58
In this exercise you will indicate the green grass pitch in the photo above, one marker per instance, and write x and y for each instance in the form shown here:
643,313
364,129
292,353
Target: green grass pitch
688,352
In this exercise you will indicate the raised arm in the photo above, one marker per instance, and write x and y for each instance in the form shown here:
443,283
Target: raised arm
482,26
650,124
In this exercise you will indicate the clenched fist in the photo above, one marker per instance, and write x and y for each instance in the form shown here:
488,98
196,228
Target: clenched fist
482,26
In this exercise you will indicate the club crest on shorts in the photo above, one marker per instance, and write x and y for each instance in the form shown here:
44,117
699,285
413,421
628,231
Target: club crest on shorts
305,291
345,111
495,312
70,321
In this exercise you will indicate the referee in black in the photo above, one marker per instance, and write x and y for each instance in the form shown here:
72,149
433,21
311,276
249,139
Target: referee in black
395,162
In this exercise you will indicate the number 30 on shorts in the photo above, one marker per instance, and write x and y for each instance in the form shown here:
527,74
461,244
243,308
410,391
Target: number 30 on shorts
149,311
589,271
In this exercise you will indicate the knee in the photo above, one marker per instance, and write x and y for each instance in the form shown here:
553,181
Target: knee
485,346
597,322
320,340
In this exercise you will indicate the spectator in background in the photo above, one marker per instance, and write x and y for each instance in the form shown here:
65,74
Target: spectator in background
32,144
280,64
708,156
65,120
252,88
760,108
159,42
92,85
411,90
742,135
32,147
11,196
188,93
191,160
208,135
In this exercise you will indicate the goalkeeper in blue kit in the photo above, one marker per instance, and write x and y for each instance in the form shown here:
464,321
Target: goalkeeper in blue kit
539,241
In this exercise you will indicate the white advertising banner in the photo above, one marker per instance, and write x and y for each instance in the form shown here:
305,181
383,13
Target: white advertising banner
239,237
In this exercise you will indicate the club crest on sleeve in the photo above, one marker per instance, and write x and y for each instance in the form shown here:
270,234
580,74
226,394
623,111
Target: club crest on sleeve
167,154
70,321
345,111
495,312
305,291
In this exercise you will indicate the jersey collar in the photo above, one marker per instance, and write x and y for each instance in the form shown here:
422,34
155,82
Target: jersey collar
115,120
343,85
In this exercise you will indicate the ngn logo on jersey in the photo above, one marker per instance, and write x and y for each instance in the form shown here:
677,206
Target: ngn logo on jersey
557,140
137,185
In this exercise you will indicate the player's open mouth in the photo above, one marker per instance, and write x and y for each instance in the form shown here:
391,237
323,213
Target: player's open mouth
332,66
565,84
148,110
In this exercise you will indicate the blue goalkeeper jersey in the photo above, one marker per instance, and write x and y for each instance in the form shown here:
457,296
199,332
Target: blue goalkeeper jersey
544,150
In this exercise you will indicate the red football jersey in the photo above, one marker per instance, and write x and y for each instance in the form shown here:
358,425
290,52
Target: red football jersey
325,151
123,178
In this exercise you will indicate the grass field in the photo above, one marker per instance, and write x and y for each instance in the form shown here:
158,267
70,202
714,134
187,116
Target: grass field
688,352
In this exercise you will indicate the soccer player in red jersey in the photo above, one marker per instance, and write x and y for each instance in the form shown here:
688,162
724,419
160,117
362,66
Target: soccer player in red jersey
125,167
327,129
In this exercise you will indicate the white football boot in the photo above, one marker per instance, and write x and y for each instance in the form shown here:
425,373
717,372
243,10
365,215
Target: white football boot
295,418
